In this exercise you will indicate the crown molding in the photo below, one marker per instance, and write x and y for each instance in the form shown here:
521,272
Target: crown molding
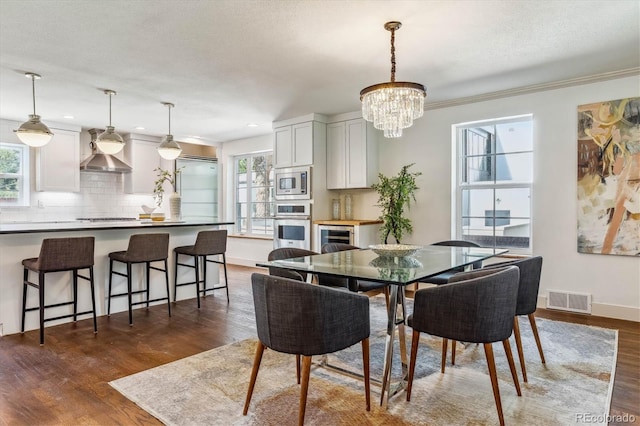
534,88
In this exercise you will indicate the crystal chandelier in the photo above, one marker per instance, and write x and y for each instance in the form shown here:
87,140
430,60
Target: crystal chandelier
169,149
34,132
393,106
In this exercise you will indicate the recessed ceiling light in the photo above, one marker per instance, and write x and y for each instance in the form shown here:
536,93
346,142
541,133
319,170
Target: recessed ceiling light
139,128
194,136
70,117
252,125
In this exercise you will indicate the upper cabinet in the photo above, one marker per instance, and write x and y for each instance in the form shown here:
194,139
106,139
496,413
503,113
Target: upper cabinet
293,145
141,153
352,154
58,162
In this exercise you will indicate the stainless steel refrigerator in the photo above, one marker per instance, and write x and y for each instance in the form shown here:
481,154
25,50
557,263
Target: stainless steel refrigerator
197,184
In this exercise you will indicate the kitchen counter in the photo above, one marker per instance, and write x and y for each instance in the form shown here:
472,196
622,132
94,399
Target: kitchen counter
351,222
84,225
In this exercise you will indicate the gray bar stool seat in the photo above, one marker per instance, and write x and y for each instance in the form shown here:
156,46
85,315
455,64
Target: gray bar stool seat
143,248
208,243
57,255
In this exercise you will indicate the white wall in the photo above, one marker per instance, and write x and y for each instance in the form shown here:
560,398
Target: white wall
614,281
241,250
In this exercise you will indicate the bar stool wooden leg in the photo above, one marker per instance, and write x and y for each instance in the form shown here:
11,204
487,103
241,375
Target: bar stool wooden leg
175,277
24,296
166,277
196,265
226,282
148,264
41,298
110,280
93,300
129,293
75,294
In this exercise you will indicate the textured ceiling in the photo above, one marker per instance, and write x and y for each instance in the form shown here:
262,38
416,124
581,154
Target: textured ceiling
227,63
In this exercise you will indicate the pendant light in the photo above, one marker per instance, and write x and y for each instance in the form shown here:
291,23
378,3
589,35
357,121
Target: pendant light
393,106
109,141
34,132
169,149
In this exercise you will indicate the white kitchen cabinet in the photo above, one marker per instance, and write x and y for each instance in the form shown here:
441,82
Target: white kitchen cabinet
58,163
352,154
141,153
293,145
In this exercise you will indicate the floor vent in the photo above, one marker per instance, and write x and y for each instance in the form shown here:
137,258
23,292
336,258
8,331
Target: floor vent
569,301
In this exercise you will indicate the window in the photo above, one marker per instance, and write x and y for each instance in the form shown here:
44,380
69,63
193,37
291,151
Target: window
494,178
254,176
14,175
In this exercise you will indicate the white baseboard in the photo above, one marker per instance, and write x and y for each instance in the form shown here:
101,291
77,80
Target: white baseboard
628,313
242,261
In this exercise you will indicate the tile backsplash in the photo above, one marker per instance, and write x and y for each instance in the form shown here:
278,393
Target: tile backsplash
101,195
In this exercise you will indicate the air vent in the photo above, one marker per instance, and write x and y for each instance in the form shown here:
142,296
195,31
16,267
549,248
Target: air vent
569,301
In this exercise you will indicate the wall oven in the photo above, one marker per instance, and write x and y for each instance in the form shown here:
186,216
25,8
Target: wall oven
293,183
292,225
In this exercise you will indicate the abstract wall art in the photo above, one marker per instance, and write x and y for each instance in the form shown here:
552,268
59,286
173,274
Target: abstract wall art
609,177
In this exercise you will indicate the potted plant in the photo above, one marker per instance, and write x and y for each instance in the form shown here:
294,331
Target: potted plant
393,195
163,176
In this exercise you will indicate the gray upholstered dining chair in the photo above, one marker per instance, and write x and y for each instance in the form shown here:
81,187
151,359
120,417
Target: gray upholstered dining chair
528,287
351,283
288,253
304,319
477,307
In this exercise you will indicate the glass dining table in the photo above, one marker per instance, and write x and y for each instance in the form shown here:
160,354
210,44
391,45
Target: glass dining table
397,272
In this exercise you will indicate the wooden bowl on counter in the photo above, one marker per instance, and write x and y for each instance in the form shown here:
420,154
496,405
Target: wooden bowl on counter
157,217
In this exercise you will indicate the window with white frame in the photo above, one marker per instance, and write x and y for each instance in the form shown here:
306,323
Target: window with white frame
254,198
494,176
14,175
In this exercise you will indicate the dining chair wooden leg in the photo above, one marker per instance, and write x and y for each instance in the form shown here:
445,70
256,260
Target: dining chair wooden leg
254,374
488,351
534,328
443,362
365,367
306,371
516,335
512,365
412,361
453,352
298,367
386,296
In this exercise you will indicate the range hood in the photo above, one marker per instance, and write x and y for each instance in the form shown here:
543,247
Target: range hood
99,162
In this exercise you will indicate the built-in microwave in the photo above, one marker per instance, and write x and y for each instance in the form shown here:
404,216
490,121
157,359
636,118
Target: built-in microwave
293,183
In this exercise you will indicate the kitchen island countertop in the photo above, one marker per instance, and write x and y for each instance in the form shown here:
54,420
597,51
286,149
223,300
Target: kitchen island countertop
82,225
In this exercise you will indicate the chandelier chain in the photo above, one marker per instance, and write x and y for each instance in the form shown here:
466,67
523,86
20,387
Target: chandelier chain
393,55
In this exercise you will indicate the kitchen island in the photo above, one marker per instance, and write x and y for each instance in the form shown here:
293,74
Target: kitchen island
22,240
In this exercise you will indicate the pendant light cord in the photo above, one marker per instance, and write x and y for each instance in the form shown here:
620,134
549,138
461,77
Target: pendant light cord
33,91
169,106
109,109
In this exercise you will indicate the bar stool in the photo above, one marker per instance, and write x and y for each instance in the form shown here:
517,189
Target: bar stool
208,243
143,248
57,255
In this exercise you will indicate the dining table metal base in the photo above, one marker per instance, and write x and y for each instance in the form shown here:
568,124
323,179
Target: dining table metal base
397,315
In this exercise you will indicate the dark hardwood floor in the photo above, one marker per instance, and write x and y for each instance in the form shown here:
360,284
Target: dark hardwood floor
66,380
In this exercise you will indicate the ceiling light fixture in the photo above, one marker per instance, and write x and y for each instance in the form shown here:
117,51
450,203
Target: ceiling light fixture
34,132
109,141
393,106
169,149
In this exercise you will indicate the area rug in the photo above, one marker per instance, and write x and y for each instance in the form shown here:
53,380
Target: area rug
209,388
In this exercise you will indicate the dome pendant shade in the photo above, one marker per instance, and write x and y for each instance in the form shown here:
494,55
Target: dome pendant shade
169,149
393,106
34,132
109,142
